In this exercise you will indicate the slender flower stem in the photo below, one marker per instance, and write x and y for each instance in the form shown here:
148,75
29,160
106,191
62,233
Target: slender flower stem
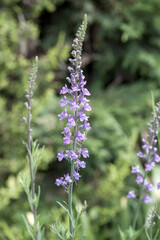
144,177
151,232
70,210
150,156
71,185
28,104
29,156
139,203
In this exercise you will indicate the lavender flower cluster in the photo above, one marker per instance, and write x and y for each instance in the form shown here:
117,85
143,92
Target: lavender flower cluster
149,157
77,121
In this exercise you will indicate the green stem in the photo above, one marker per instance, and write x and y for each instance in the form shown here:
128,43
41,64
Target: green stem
71,227
139,202
34,210
137,212
142,187
151,232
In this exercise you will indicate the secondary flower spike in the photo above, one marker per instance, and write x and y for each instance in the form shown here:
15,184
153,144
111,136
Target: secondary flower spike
76,106
149,155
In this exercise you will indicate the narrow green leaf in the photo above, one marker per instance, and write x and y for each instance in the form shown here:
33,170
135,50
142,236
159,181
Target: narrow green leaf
28,227
155,238
148,237
122,234
67,212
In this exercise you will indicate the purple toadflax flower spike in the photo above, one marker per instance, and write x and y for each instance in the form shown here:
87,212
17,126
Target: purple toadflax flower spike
77,121
149,155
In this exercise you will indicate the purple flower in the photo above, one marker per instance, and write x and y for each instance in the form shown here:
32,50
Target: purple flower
149,166
149,155
86,92
74,132
87,126
82,116
67,131
80,136
158,185
60,156
131,194
135,169
67,178
140,154
87,107
75,88
63,115
71,154
71,121
139,178
157,158
63,101
66,140
73,105
76,175
146,199
150,187
64,90
80,164
59,181
85,153
83,100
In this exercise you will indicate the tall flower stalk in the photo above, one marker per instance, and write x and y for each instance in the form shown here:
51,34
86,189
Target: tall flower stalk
29,96
35,229
149,158
75,132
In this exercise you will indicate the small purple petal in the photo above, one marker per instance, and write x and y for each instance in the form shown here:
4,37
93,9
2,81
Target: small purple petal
140,154
76,175
87,126
85,153
59,181
86,92
63,101
80,136
80,164
66,131
71,121
71,155
131,194
135,169
75,88
149,166
157,158
150,187
87,107
60,156
158,185
73,105
82,116
146,199
139,178
67,178
83,100
64,90
63,115
66,140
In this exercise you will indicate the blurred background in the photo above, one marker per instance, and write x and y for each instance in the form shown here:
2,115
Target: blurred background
121,62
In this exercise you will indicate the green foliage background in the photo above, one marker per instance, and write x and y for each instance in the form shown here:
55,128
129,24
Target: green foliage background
121,62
